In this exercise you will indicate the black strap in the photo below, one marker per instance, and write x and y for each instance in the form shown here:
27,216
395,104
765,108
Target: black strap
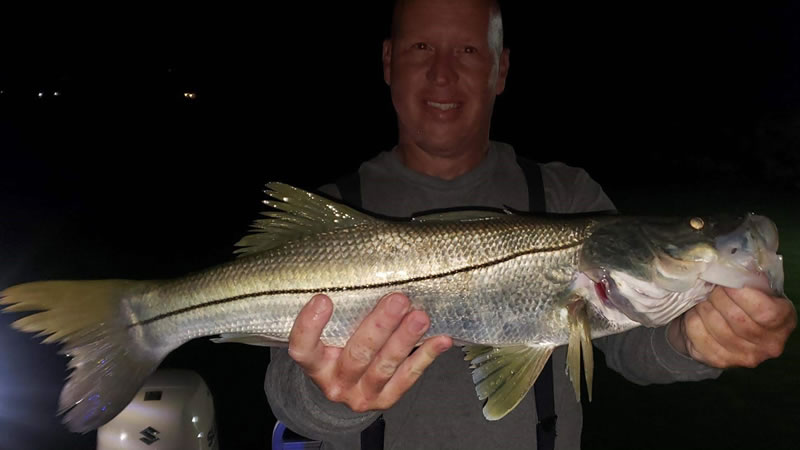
543,388
350,189
533,177
372,437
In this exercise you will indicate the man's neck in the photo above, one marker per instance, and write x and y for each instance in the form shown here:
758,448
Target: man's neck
444,165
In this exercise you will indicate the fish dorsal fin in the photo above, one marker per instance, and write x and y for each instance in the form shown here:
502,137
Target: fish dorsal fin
505,374
299,213
580,341
461,216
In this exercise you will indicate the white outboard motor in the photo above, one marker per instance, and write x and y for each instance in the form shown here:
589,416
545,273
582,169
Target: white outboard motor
173,410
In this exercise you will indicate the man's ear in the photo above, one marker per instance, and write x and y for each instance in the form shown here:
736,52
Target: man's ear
502,71
387,61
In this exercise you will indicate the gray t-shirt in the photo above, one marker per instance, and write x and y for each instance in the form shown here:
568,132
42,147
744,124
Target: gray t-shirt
442,410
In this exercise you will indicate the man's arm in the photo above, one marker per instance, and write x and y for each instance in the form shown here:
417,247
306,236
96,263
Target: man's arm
733,328
328,392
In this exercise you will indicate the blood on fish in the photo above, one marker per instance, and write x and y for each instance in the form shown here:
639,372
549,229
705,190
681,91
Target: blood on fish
600,288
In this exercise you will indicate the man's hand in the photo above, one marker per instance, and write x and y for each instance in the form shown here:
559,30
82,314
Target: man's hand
734,328
374,368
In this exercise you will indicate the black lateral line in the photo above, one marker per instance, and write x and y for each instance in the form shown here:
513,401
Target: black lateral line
348,288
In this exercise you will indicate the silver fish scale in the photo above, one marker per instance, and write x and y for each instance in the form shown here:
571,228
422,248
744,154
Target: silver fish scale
492,281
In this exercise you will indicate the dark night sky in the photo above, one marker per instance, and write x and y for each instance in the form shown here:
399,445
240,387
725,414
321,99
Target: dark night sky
121,176
679,86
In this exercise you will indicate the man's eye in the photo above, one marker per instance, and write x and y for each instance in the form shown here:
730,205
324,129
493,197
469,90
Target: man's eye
421,46
470,50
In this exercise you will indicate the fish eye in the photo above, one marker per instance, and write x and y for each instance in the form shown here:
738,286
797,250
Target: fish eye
697,223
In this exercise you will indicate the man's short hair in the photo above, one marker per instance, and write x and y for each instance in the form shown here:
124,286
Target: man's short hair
495,24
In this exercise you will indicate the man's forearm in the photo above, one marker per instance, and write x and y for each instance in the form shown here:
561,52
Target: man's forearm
300,405
645,356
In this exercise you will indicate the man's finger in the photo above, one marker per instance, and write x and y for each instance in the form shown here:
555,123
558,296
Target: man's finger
701,344
725,335
305,346
370,337
763,309
412,368
395,350
737,319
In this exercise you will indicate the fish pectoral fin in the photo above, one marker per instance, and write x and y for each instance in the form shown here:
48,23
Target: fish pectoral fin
249,339
503,375
580,341
299,214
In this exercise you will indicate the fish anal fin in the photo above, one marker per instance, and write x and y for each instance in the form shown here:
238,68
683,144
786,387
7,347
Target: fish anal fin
580,342
503,375
249,339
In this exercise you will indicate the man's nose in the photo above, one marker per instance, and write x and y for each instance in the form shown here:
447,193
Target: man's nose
442,69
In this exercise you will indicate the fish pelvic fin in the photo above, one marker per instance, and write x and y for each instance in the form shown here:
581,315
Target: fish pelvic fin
297,214
503,375
580,342
107,366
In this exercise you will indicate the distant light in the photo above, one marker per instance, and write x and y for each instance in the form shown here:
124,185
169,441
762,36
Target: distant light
195,419
199,435
123,436
56,93
41,94
190,95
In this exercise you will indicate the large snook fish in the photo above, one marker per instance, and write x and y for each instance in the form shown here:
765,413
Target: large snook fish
508,287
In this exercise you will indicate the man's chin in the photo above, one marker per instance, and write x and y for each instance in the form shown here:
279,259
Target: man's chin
444,146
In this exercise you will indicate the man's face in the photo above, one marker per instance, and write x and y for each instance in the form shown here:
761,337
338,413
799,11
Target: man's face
444,74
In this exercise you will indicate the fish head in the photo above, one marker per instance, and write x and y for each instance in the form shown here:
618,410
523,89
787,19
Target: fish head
654,269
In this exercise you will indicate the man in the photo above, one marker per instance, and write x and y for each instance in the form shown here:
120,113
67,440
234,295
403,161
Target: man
445,64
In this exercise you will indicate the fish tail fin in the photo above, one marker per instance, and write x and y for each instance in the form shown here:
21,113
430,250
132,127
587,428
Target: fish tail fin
108,364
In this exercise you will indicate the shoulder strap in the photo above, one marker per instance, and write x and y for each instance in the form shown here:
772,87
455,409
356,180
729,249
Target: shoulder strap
350,189
543,388
372,436
533,177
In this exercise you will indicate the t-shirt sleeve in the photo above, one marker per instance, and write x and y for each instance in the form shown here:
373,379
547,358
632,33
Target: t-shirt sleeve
571,190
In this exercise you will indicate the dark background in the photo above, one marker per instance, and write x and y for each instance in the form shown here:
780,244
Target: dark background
672,107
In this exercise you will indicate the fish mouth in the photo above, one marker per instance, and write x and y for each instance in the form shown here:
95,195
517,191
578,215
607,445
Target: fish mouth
748,257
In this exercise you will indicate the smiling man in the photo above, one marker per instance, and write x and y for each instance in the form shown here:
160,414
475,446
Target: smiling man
445,64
